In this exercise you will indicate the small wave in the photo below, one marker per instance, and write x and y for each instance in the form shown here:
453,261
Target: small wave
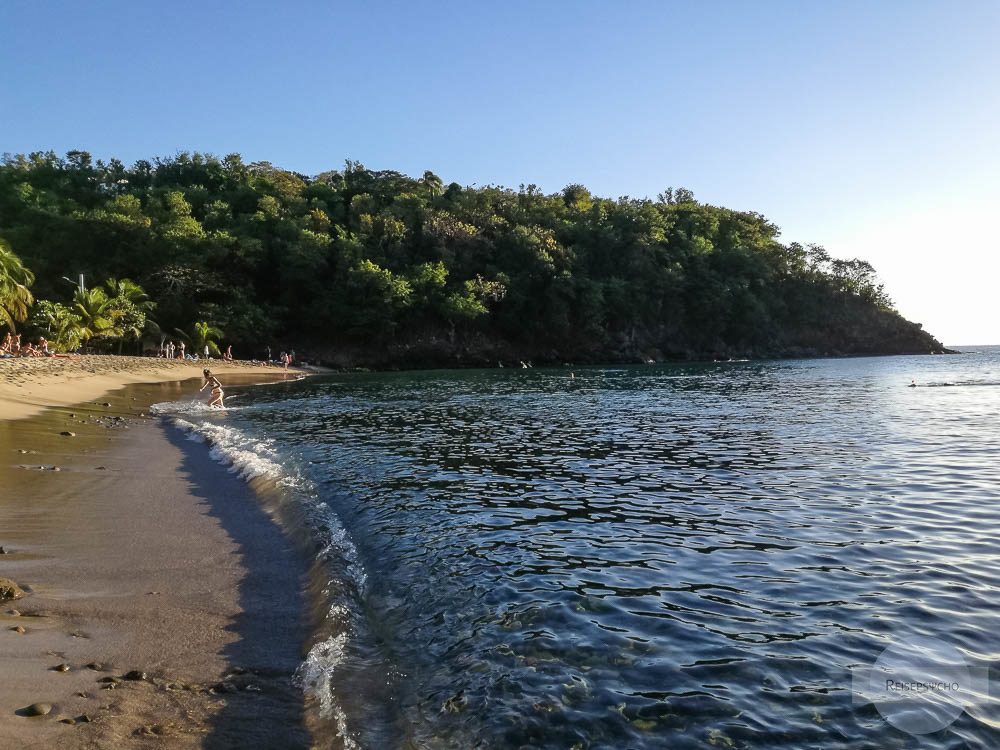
314,677
249,457
190,407
255,458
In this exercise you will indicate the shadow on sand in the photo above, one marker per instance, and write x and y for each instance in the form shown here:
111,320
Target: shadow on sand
271,627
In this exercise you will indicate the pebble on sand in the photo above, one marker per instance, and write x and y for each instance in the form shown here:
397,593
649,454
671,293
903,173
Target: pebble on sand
38,709
9,589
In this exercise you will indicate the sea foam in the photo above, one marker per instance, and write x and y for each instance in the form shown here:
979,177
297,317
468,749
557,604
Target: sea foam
252,458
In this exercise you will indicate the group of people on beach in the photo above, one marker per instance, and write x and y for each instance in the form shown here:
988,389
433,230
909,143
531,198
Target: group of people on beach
12,347
170,350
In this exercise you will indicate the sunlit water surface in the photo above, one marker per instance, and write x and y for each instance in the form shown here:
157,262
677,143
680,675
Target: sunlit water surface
643,557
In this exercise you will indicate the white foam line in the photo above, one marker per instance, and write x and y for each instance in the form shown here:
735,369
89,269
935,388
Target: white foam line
314,676
251,458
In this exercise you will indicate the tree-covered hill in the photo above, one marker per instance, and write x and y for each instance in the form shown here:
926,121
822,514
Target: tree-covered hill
362,267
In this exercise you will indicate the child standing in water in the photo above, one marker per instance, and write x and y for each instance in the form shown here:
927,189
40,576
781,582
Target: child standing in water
217,393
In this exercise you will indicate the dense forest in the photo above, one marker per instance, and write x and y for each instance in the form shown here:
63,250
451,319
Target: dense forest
360,267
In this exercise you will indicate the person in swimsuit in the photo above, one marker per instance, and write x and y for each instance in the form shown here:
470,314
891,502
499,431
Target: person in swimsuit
217,393
43,349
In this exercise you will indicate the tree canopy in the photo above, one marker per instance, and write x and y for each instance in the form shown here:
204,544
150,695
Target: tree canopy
359,259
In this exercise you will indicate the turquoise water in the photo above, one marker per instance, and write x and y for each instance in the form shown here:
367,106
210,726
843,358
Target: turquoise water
684,556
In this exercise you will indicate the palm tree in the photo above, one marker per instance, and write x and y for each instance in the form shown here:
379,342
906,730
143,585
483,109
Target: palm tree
128,289
15,298
62,326
202,335
432,183
92,307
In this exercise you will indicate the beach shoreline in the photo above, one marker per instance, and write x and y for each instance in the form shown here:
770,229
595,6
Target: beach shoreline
30,385
139,554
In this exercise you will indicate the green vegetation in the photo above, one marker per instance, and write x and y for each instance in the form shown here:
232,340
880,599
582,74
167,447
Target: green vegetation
374,267
15,297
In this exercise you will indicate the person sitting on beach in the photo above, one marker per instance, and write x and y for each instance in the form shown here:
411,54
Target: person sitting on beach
217,392
228,356
44,351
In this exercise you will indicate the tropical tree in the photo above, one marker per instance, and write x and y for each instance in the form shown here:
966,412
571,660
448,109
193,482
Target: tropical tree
15,297
93,307
61,325
129,290
127,320
202,335
432,183
128,310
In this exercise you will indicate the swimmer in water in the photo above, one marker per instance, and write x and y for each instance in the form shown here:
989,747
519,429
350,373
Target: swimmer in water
217,393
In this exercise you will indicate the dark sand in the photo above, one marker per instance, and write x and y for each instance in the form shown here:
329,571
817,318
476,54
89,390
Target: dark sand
141,553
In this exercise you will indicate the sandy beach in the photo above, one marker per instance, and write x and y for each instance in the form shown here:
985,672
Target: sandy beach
28,385
163,606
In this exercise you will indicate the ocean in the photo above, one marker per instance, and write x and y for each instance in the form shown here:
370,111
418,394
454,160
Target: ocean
797,553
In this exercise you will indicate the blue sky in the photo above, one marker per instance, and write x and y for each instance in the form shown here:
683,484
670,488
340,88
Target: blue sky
870,128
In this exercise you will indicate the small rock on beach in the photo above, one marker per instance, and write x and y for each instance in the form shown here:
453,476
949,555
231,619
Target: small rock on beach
9,589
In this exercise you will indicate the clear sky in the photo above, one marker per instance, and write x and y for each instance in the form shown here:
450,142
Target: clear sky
870,128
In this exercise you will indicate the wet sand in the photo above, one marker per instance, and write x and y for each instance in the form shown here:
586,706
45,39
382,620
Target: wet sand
140,554
28,385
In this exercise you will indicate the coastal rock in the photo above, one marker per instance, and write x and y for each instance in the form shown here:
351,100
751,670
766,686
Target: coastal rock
61,668
3,551
67,433
38,709
67,720
18,629
135,674
9,590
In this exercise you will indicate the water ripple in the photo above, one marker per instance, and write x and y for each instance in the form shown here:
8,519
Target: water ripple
653,557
